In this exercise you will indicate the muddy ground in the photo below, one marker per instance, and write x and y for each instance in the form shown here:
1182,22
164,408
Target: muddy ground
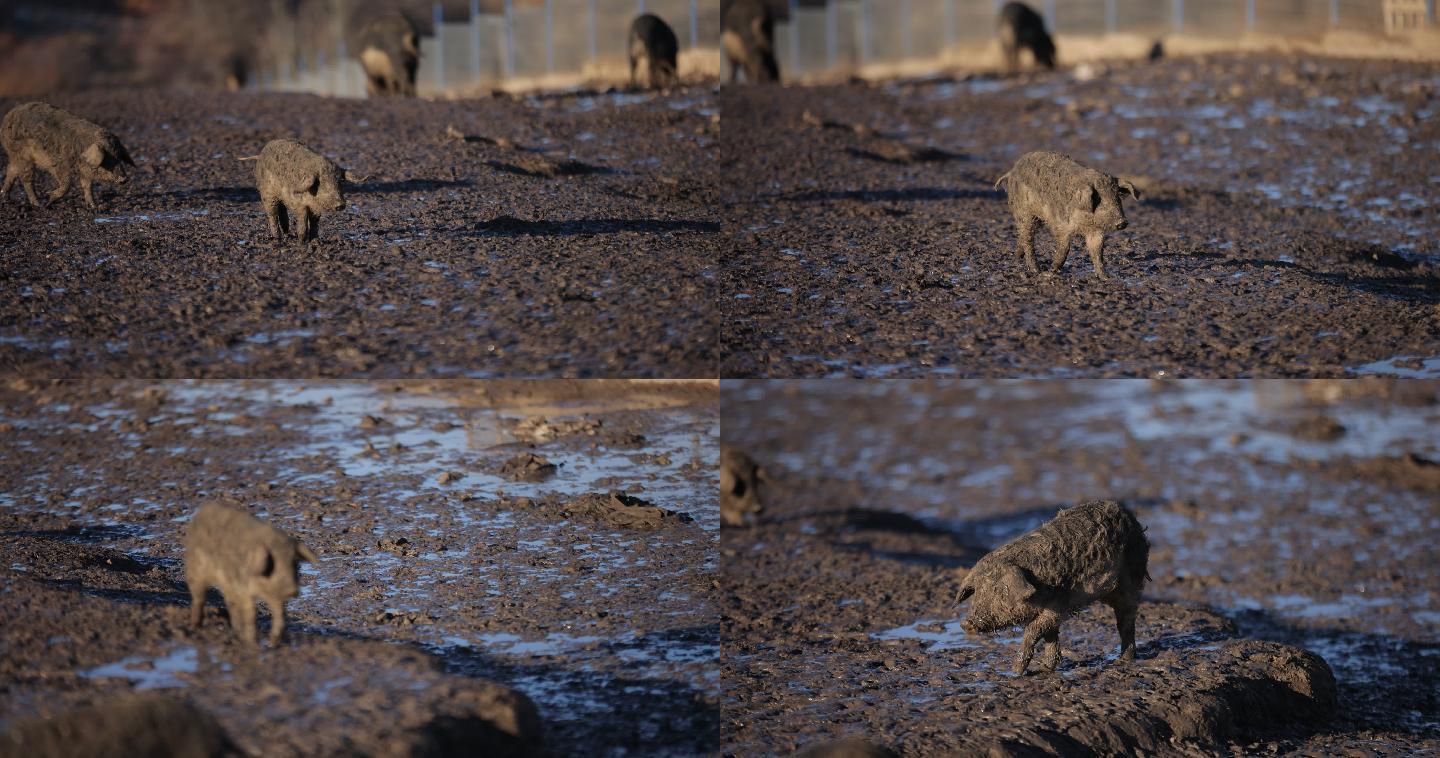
1283,518
1286,226
437,575
558,236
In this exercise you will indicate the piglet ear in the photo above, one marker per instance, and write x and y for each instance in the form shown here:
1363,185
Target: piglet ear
94,155
1014,582
1126,186
261,563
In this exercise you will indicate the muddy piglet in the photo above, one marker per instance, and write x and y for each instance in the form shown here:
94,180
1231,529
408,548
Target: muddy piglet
63,145
1094,551
296,185
1067,197
740,477
248,560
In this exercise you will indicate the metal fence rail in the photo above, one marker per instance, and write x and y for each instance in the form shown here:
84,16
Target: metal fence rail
480,50
843,35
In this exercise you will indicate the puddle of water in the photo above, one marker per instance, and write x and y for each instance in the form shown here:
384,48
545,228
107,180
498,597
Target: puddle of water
950,637
170,670
1429,368
159,216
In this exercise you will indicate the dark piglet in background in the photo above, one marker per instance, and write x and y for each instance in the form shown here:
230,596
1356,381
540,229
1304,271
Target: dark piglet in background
1069,199
740,478
1021,27
748,37
296,186
38,135
1093,551
389,52
655,50
247,560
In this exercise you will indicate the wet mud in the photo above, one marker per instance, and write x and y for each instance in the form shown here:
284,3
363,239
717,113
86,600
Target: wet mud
1295,604
446,597
1285,225
578,241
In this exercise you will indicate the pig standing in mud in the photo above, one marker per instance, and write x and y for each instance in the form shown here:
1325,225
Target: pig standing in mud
63,145
247,559
296,185
654,47
1094,551
1020,26
1069,199
740,477
389,51
748,37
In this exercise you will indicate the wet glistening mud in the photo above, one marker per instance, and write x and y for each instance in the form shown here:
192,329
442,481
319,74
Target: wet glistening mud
590,588
1292,527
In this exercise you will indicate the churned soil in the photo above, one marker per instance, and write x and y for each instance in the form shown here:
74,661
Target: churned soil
1294,600
439,582
550,236
1285,226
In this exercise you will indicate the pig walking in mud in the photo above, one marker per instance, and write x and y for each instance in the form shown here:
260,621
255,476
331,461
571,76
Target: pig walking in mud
248,560
389,52
297,185
1069,199
748,38
740,477
654,49
38,135
1094,551
1022,27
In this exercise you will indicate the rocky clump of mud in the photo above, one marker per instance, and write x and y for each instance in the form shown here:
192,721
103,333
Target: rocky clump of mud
623,511
140,724
527,467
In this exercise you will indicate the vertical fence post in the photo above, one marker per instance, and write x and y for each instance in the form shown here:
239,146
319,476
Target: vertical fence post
949,23
641,7
509,38
793,32
1249,15
864,32
906,43
1050,15
342,68
439,14
1177,8
694,24
1110,17
549,36
832,34
1334,12
592,31
475,41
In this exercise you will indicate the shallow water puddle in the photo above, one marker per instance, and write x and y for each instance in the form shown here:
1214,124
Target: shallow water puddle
1402,366
944,635
174,669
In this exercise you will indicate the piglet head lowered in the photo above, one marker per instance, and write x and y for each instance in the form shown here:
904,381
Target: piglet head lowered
108,160
1000,595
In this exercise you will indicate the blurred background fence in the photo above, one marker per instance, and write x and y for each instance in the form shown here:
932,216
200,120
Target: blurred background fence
817,37
479,46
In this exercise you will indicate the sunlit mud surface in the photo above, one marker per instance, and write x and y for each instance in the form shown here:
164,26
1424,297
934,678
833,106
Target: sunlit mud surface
1300,513
1286,224
434,566
570,235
